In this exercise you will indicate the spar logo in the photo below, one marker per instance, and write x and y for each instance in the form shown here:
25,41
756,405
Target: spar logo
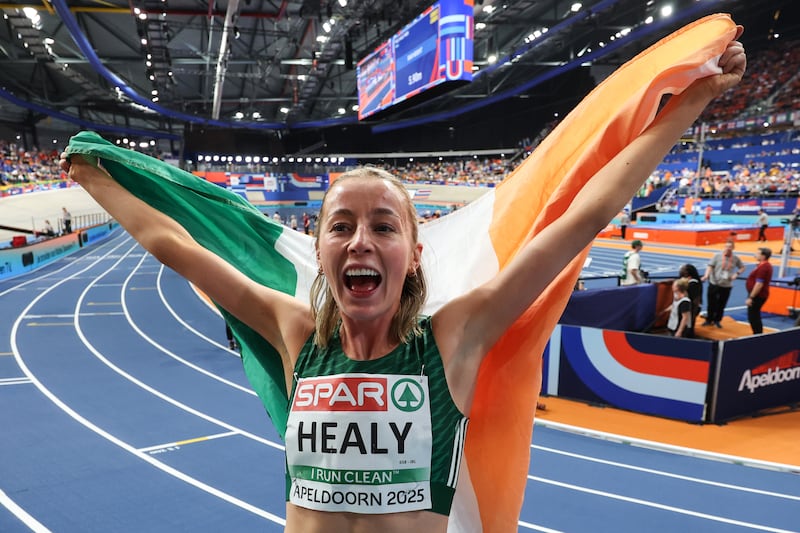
782,369
341,393
408,395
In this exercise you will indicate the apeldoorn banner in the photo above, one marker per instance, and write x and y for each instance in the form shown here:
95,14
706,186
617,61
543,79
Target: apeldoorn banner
755,373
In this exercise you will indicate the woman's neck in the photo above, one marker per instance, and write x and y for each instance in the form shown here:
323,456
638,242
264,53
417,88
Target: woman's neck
365,342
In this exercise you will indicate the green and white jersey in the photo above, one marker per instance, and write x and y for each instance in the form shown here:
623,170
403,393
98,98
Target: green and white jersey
378,436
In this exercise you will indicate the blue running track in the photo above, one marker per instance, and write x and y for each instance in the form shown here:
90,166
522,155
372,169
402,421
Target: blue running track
122,410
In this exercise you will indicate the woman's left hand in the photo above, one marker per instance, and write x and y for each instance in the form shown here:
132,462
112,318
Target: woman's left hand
733,63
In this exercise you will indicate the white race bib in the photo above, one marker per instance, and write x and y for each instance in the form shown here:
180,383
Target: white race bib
360,443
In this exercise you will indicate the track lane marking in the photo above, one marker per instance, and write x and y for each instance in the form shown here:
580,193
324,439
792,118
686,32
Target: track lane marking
667,474
185,324
108,436
197,368
14,381
188,441
659,506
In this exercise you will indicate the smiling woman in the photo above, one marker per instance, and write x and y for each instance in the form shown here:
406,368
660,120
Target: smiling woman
383,220
378,393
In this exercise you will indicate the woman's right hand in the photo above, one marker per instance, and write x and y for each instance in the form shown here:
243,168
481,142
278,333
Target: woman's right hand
78,168
64,162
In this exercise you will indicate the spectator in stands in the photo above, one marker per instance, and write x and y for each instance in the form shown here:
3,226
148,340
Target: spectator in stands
680,323
763,224
306,224
66,218
723,268
632,265
758,289
293,222
694,288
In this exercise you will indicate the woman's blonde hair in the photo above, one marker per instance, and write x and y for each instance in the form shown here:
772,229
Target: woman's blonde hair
323,306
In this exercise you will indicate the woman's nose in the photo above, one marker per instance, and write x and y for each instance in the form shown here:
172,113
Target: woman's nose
361,241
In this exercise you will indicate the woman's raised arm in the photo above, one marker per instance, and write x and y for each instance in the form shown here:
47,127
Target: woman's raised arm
282,320
471,324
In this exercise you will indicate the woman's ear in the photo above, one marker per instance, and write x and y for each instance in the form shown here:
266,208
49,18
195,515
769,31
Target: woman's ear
416,260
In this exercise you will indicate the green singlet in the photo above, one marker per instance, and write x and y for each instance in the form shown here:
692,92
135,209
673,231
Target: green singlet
375,436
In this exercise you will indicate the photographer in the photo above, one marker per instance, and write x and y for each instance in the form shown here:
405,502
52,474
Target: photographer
632,273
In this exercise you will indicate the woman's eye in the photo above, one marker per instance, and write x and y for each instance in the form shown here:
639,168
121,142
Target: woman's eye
339,226
383,228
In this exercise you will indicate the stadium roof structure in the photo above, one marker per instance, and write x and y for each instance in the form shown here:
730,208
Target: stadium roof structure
158,65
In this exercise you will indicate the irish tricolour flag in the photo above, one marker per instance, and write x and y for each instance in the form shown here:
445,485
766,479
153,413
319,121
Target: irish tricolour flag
462,250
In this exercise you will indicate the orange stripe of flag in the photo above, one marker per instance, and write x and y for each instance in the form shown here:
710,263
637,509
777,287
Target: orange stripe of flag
609,118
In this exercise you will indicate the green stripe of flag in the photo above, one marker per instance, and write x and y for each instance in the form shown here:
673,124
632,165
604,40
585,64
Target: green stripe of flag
224,223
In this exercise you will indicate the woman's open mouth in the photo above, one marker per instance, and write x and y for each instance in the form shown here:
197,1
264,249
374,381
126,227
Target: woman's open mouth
362,280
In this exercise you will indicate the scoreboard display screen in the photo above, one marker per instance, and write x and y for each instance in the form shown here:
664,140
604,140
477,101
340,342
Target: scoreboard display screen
432,50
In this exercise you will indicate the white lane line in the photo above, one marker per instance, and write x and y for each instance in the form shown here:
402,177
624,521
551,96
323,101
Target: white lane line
71,316
173,355
660,506
33,524
14,381
669,474
186,324
535,527
40,276
187,441
671,448
99,431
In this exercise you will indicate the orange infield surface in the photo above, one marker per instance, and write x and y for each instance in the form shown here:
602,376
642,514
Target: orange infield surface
772,437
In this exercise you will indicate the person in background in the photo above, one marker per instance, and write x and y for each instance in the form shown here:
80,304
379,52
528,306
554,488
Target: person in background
232,344
680,323
722,270
66,218
624,220
632,265
757,286
694,288
48,229
763,224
